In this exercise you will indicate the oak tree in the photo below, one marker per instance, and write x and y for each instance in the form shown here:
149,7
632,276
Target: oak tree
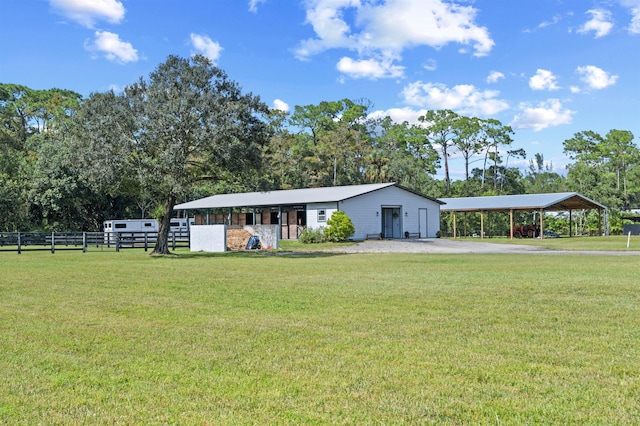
187,123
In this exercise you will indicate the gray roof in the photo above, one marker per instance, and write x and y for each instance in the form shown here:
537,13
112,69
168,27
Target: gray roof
287,197
559,201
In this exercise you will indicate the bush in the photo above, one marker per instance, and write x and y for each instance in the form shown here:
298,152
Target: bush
340,227
312,236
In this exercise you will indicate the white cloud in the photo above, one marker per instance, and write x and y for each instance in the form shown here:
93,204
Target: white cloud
253,5
207,47
546,114
369,68
112,47
596,78
115,88
384,28
634,27
575,89
463,98
326,18
553,21
396,24
87,12
543,80
634,9
400,115
430,65
280,105
494,76
600,23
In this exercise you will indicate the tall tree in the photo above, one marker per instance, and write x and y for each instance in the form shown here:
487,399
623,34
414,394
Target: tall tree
338,131
186,123
494,135
33,124
467,140
541,178
285,155
622,154
441,132
400,153
609,160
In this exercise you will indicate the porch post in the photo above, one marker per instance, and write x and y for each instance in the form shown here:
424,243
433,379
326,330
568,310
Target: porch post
455,235
511,223
600,222
570,224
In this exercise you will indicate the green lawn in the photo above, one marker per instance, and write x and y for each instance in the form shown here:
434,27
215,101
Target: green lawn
609,243
249,338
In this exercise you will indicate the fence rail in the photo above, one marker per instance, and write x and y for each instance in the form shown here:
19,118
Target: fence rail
52,241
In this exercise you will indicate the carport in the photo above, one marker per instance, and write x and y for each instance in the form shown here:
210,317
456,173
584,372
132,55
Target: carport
564,201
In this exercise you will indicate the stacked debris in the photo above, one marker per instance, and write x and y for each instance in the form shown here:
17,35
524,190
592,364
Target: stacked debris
237,238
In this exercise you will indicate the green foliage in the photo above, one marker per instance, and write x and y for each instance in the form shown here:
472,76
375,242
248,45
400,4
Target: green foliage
605,167
312,236
187,123
339,227
188,131
338,141
541,179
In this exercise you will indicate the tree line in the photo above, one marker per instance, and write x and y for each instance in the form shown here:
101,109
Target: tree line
187,130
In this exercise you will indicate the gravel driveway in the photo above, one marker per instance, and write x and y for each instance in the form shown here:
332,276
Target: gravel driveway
446,246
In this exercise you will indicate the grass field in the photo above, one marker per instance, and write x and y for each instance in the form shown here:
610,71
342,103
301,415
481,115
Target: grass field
249,338
609,243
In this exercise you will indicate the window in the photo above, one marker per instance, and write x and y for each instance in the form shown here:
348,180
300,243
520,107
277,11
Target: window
322,215
121,225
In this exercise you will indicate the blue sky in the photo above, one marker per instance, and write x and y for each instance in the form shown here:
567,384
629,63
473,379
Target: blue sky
548,68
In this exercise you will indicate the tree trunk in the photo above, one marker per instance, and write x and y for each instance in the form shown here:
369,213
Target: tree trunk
445,156
466,173
162,243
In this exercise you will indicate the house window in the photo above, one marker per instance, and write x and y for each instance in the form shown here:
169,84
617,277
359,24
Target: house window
322,215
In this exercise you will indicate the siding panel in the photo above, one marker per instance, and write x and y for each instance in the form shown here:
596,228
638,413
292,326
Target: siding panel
362,211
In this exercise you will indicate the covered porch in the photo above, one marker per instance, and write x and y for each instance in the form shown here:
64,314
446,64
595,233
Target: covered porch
539,203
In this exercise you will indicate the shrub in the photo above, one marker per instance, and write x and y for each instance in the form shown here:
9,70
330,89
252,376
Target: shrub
312,236
340,227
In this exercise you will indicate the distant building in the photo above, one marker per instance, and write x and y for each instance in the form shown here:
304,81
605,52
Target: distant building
387,210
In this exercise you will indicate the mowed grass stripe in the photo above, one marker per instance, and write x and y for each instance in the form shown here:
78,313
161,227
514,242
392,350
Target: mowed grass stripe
243,338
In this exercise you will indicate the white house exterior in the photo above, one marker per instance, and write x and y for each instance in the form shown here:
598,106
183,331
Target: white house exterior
387,209
390,211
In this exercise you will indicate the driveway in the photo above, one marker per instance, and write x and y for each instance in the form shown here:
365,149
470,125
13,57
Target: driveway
446,246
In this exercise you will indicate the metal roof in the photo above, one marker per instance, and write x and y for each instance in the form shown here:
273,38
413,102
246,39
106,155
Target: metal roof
287,197
559,201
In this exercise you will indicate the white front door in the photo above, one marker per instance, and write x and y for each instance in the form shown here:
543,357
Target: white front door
422,223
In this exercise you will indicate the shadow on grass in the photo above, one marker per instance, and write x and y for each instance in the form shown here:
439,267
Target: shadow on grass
252,254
